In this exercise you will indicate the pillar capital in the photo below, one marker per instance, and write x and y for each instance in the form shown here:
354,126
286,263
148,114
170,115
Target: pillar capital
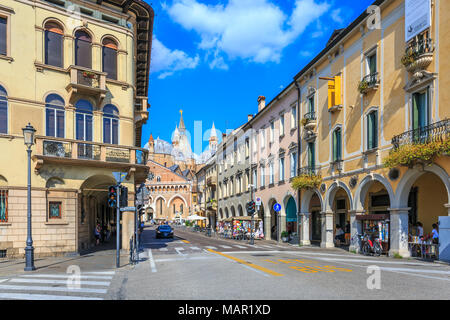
356,212
398,210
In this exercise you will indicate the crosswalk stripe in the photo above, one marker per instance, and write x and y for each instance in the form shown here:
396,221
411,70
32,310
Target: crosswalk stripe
210,247
265,246
100,272
58,289
195,248
163,249
65,276
225,247
52,281
27,296
239,246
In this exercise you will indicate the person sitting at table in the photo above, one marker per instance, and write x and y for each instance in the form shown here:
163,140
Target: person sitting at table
435,234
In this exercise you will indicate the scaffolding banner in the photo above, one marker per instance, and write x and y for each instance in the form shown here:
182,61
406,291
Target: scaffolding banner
417,17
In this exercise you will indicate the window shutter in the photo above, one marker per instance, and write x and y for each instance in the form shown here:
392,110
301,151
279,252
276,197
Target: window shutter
53,49
370,130
83,53
3,116
339,149
3,22
415,111
106,130
110,62
373,64
50,121
334,145
375,129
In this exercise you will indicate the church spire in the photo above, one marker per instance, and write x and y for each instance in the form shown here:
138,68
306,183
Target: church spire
182,127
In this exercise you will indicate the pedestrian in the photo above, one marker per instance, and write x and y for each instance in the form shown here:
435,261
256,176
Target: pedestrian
340,235
435,234
97,232
419,229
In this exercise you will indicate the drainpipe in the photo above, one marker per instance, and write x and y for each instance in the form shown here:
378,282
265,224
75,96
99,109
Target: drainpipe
299,150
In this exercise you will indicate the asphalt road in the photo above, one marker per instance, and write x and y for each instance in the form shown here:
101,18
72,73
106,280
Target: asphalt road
193,266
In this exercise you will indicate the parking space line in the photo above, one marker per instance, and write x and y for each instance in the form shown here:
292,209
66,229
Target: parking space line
249,264
152,262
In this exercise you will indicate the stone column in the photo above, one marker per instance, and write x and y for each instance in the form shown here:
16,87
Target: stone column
127,228
448,208
267,226
304,231
355,229
399,232
327,229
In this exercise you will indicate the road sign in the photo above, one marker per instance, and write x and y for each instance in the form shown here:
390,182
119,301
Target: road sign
119,176
258,201
277,207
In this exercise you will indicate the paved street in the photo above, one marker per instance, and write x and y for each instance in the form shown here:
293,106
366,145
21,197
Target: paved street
193,266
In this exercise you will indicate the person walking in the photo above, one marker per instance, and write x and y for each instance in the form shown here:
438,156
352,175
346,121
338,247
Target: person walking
435,234
97,234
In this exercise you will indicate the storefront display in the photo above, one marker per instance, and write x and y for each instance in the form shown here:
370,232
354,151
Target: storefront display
377,226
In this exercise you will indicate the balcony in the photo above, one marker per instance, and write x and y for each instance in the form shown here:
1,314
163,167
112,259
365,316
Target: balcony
309,121
89,154
368,83
309,170
86,81
438,131
418,55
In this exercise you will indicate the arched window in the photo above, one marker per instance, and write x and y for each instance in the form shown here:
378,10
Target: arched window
54,36
54,116
110,124
110,58
83,50
84,120
3,110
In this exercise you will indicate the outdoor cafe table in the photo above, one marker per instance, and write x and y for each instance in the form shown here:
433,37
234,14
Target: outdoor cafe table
427,250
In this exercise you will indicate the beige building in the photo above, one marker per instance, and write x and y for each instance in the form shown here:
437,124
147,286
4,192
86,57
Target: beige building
371,94
77,71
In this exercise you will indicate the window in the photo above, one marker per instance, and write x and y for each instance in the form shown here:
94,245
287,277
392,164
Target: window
371,63
110,124
281,169
263,138
271,173
255,178
3,205
293,164
263,177
181,208
255,143
311,104
311,155
247,148
282,125
337,145
420,109
372,130
84,120
294,117
272,131
54,37
54,209
54,116
110,58
3,110
3,36
83,50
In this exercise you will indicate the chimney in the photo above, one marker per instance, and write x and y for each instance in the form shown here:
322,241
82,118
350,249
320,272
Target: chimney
249,117
224,135
261,103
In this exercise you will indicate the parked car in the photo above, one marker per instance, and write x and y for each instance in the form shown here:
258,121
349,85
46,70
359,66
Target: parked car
164,231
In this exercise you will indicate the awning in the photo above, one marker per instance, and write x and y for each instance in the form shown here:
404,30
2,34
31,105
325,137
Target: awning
373,217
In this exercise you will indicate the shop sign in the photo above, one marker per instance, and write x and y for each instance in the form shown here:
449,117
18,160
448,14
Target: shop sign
417,17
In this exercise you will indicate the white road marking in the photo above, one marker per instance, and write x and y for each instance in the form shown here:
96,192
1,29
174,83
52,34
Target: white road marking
65,276
376,261
100,272
210,247
194,248
225,247
163,249
186,258
178,250
3,280
26,296
238,246
91,283
59,289
152,262
265,246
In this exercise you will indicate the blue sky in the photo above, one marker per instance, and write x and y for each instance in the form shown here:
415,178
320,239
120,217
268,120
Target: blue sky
213,58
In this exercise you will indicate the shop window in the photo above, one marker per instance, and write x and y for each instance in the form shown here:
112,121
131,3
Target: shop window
372,130
3,110
54,37
3,36
83,49
110,58
3,205
55,210
110,124
54,116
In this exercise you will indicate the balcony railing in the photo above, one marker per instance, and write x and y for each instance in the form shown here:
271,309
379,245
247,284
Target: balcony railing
74,149
434,132
420,47
418,55
310,115
309,170
87,81
368,82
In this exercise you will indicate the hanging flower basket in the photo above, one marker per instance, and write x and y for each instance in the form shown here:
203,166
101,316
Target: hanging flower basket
306,181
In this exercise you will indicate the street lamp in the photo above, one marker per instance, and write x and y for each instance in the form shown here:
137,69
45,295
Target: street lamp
28,136
252,241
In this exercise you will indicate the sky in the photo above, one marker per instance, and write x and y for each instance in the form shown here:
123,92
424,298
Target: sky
213,58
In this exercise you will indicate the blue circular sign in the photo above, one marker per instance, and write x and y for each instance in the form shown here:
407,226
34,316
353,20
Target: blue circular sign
277,207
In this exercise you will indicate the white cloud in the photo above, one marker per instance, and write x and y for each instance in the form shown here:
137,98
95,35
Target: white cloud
167,62
254,30
336,16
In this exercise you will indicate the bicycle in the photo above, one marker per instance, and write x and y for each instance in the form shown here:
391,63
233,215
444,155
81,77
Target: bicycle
372,246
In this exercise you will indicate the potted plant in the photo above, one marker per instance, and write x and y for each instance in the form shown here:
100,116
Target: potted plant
88,74
363,86
285,236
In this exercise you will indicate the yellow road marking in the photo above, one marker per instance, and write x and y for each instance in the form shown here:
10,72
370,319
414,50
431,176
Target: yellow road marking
249,264
185,241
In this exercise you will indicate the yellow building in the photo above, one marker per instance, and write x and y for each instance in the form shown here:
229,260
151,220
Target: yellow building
77,71
378,87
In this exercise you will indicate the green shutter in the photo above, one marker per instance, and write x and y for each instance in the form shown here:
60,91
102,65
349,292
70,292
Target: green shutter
373,63
370,130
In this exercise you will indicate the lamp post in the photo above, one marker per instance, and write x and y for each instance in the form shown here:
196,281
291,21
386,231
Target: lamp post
28,135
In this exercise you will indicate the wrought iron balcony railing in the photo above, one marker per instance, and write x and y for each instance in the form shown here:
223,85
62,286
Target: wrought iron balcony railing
310,116
309,170
417,48
437,131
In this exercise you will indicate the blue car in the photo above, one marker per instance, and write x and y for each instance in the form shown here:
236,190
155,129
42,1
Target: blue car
164,231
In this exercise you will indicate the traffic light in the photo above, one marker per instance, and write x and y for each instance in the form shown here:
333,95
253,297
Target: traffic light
123,196
250,207
112,196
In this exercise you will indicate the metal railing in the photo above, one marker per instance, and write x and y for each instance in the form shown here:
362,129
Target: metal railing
309,170
417,48
88,78
371,79
59,149
88,151
117,155
310,116
437,131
